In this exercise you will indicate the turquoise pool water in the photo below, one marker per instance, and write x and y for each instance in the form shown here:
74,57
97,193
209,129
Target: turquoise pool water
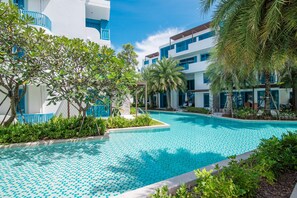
128,160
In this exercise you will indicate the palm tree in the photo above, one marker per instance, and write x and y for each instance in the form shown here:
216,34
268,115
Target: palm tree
289,80
225,77
146,75
167,76
258,32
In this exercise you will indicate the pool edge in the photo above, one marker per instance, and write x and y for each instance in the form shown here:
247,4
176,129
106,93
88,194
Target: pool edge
226,118
174,183
73,140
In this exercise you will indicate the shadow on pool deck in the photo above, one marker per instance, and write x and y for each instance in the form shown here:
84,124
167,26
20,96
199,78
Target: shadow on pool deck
44,155
156,165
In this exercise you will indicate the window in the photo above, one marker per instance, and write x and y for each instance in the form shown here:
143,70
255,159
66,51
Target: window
185,62
164,51
206,35
191,84
146,62
154,60
204,57
206,99
262,78
205,79
184,45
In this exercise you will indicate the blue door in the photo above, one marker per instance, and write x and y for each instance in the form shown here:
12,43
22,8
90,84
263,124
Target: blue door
261,99
22,104
206,100
163,100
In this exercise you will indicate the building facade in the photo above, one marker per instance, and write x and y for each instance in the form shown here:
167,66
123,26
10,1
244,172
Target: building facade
192,49
85,19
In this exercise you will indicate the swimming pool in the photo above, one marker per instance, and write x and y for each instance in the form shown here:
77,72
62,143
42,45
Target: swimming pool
128,160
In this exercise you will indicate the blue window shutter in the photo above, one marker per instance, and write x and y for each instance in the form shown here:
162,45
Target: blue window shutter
206,99
205,79
21,106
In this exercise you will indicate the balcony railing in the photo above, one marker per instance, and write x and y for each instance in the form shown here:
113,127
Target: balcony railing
38,19
34,118
105,34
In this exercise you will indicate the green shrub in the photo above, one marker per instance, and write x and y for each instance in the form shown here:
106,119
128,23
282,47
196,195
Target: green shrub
275,155
132,110
120,122
56,128
197,110
209,185
245,113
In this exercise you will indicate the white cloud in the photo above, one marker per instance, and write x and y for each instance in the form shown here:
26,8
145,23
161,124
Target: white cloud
152,43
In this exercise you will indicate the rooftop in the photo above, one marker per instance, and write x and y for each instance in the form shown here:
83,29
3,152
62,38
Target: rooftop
153,55
191,31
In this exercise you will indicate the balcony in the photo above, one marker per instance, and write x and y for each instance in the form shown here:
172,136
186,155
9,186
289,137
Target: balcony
39,19
196,67
193,48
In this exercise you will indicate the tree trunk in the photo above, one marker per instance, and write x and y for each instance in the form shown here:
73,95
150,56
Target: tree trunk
267,110
294,98
230,104
13,104
168,99
151,101
13,112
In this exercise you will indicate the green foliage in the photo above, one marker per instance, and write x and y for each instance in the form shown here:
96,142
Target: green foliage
180,193
132,110
56,128
275,156
245,113
197,110
129,56
242,179
21,47
166,75
120,122
209,185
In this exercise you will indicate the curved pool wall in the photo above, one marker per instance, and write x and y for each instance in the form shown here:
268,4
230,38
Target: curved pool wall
129,160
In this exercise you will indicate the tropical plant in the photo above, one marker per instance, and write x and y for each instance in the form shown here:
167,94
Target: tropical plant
259,34
56,128
225,76
78,72
167,76
21,46
129,56
146,75
289,79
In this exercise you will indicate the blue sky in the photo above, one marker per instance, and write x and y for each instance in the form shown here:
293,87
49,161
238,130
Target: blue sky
149,23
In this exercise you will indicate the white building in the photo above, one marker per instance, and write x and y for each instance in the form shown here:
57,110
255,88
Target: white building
192,49
85,19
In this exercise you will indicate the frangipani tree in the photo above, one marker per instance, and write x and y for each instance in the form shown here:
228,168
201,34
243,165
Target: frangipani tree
21,47
76,71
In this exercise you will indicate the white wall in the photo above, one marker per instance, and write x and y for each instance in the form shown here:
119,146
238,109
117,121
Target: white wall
5,106
34,100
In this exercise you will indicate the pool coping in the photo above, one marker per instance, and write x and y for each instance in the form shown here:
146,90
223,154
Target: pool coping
226,118
72,140
189,179
294,192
